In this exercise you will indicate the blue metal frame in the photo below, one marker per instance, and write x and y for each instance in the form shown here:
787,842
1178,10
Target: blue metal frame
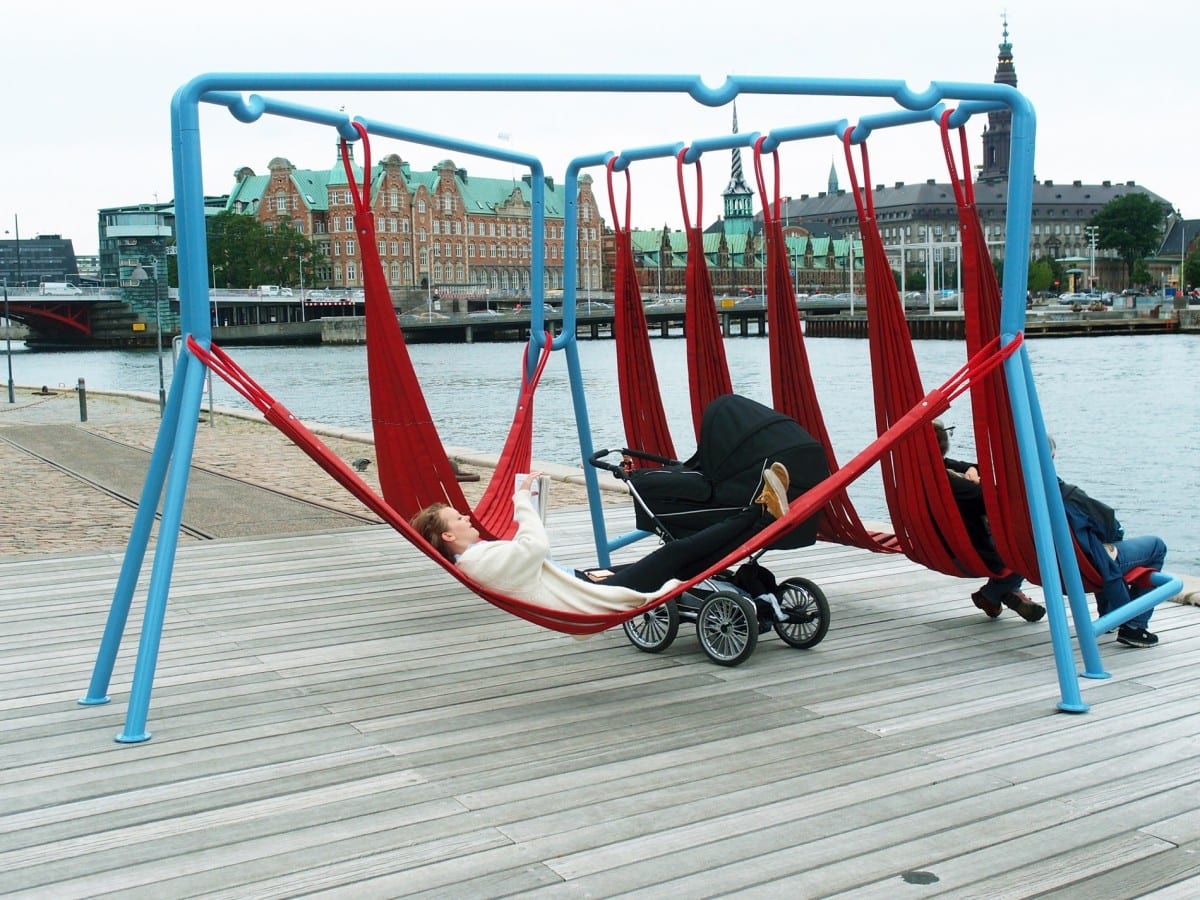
166,479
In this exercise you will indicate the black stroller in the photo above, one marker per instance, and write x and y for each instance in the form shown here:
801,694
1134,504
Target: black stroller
738,439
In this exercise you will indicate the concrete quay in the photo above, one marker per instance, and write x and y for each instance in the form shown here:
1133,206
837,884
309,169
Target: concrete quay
72,486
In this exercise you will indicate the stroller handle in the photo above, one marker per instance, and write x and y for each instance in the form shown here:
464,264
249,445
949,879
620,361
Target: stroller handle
621,469
597,460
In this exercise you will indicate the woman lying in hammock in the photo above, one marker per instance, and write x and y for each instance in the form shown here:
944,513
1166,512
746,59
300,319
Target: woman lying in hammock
523,569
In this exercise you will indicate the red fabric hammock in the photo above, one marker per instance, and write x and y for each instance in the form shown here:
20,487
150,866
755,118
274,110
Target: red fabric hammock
641,400
571,622
708,369
923,511
414,470
792,383
995,431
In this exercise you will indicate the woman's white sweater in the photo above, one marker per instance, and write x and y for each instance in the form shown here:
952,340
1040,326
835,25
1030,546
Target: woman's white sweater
521,568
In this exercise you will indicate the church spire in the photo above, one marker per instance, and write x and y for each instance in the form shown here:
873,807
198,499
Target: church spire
739,199
997,135
833,182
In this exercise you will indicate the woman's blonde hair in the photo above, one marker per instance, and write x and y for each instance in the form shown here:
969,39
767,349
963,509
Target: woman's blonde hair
430,525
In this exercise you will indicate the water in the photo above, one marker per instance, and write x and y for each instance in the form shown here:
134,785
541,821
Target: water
1122,409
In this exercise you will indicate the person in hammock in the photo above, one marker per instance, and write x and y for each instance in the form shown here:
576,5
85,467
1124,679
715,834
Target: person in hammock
1100,536
1000,590
522,567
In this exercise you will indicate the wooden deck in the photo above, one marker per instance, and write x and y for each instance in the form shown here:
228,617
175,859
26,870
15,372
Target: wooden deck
333,715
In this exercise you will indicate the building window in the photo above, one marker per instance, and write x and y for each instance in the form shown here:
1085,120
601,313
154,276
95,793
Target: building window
350,249
351,273
421,205
337,248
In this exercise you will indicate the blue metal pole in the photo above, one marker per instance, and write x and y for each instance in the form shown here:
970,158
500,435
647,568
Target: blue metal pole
191,381
135,554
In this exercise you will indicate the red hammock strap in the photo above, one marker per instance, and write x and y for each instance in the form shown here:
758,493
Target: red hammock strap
708,368
642,409
792,384
997,452
679,164
495,509
414,470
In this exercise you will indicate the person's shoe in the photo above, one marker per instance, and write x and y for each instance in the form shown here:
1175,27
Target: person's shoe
1133,636
990,607
781,472
1023,606
773,496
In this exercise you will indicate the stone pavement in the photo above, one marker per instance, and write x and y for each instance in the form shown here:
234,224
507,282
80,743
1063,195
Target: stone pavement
59,494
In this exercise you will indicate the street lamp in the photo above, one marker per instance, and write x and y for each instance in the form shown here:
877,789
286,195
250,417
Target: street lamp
139,275
1091,235
8,343
300,257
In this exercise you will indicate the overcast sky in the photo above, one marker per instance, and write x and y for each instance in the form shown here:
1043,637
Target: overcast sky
86,89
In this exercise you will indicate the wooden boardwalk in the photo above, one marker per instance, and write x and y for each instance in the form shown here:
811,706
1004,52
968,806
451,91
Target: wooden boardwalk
333,715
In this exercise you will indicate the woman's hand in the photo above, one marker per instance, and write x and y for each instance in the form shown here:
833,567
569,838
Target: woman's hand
528,480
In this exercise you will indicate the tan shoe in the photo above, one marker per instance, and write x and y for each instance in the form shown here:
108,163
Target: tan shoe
781,473
773,496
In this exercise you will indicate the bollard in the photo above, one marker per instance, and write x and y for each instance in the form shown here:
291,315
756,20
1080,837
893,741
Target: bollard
82,390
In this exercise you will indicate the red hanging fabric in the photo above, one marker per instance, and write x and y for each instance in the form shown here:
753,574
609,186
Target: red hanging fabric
414,470
792,383
916,486
708,369
641,400
995,431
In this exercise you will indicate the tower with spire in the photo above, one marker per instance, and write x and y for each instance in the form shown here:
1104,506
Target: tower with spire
739,199
998,133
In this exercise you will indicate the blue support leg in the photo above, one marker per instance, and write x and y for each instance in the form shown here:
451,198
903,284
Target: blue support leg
191,376
135,554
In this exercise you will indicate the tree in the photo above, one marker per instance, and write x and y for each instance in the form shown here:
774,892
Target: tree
244,252
1041,276
1191,270
1132,225
1141,275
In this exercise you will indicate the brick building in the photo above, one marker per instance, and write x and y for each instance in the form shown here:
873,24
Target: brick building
442,230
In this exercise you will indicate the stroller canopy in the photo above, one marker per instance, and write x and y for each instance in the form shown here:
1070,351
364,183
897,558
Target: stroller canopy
739,437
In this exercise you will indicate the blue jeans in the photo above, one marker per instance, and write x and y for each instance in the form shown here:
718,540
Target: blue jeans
1146,550
999,585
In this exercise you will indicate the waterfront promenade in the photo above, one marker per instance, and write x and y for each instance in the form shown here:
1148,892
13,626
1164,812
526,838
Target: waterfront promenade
334,715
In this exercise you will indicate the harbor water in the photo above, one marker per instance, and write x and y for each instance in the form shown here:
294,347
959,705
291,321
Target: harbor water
1123,409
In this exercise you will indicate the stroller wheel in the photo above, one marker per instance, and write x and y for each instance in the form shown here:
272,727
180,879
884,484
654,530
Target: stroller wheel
807,613
727,628
654,630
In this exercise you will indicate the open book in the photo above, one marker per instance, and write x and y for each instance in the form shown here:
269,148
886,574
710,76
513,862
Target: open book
539,493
